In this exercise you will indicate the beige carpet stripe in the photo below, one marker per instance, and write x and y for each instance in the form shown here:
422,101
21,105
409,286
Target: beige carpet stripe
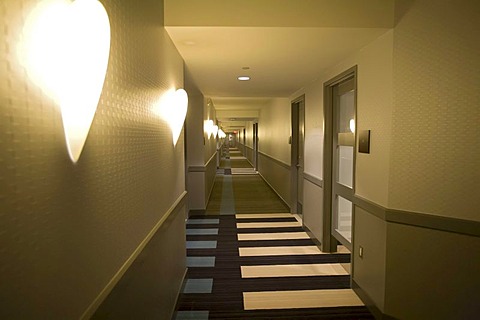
278,251
245,225
293,270
273,236
262,215
300,299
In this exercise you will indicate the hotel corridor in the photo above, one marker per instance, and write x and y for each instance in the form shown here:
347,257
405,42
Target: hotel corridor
249,258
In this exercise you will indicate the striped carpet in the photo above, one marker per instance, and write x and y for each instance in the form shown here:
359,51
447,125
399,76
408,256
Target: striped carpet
262,266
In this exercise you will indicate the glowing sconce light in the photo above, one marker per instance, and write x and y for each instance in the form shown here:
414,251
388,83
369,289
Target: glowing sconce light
208,128
173,109
221,134
352,125
215,131
65,50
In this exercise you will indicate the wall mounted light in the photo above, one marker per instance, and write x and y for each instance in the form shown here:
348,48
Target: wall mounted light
352,125
208,127
173,109
221,134
215,131
65,50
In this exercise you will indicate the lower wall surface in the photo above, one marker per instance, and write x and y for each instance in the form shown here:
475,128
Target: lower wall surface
431,274
149,288
313,208
410,271
369,271
277,176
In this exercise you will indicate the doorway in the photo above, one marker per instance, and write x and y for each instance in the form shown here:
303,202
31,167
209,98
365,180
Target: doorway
297,156
339,160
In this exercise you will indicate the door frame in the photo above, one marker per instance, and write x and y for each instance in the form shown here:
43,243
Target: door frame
255,145
328,241
294,152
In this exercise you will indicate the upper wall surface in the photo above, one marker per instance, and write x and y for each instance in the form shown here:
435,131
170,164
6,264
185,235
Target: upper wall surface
434,163
66,229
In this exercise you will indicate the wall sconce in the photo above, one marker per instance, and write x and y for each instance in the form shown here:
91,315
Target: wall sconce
173,109
208,127
215,131
65,50
221,134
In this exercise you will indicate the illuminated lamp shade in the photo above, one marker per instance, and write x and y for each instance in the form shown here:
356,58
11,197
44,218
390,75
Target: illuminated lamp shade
221,134
215,131
173,109
208,128
65,50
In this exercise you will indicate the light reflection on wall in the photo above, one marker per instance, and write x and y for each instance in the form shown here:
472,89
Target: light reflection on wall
172,108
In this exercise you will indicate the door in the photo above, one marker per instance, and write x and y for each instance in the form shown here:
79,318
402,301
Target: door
339,160
343,153
298,147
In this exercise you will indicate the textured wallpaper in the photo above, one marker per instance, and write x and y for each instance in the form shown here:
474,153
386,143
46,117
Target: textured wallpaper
435,159
66,229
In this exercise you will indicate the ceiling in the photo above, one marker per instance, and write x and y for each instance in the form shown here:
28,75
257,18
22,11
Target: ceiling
285,44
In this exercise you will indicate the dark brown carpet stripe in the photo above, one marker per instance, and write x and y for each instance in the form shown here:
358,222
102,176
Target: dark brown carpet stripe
294,283
300,259
244,220
343,313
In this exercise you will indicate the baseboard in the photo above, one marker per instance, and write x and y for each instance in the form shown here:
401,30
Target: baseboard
116,278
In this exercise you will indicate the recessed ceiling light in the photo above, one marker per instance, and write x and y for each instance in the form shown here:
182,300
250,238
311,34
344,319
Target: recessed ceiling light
243,78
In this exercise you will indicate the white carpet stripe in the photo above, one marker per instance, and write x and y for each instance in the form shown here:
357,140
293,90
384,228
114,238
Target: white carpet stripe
300,299
278,251
293,270
273,236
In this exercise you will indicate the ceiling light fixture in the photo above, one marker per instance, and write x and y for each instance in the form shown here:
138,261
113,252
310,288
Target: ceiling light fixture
244,78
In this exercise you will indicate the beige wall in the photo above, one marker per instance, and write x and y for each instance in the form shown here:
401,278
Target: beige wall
274,129
194,123
434,165
66,229
201,148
